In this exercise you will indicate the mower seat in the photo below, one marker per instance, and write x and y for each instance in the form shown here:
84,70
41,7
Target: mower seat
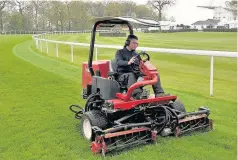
113,68
113,73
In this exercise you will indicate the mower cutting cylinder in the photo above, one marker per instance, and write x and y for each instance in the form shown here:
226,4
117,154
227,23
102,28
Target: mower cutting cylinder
120,140
192,123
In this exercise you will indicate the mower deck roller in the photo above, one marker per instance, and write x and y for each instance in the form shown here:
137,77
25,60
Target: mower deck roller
113,120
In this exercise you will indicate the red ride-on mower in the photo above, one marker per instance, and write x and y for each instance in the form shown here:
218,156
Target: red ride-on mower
113,120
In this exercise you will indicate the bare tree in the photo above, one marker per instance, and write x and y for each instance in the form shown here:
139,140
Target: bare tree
97,9
69,15
128,8
36,6
113,8
232,5
160,4
45,16
80,15
59,13
21,6
2,6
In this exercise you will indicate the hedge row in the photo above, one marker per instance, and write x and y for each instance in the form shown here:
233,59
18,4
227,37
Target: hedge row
220,30
193,30
112,34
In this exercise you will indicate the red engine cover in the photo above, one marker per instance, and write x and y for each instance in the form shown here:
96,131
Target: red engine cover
102,65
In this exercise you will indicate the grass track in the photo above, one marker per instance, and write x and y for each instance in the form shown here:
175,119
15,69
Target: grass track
185,40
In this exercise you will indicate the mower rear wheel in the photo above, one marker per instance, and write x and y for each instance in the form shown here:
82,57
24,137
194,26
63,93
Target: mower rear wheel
90,119
178,105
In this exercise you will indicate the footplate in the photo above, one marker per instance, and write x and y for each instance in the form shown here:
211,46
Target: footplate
122,139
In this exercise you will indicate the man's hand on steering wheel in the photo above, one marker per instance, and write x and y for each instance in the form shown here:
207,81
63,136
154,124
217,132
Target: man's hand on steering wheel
132,60
136,62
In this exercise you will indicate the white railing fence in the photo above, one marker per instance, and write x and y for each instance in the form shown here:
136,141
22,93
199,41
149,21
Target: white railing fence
45,37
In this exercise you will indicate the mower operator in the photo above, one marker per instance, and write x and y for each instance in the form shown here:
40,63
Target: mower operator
125,58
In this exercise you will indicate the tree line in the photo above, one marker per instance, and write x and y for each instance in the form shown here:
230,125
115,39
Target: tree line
40,15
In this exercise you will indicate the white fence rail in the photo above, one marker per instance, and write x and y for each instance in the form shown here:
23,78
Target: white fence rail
19,32
40,38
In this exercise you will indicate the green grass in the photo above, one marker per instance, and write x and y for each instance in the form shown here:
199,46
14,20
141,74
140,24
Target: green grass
185,40
36,90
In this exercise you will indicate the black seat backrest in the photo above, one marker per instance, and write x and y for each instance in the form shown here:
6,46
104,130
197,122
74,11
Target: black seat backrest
114,69
106,87
114,65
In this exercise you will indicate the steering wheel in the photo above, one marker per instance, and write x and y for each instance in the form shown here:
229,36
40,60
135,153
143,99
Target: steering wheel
135,65
143,53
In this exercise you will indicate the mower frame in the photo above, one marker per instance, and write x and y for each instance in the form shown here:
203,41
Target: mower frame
123,121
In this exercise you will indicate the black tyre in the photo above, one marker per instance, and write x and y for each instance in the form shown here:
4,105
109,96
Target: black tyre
91,98
178,105
89,119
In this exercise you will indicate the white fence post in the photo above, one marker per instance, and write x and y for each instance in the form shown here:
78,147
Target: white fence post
96,54
41,46
72,53
47,48
211,76
57,50
37,44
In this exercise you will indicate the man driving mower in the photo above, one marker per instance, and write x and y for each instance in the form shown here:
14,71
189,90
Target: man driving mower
114,121
127,57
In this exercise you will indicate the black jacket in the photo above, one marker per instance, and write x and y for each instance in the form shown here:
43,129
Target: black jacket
123,56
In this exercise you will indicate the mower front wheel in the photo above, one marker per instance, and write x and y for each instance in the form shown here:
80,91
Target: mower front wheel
178,105
90,119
